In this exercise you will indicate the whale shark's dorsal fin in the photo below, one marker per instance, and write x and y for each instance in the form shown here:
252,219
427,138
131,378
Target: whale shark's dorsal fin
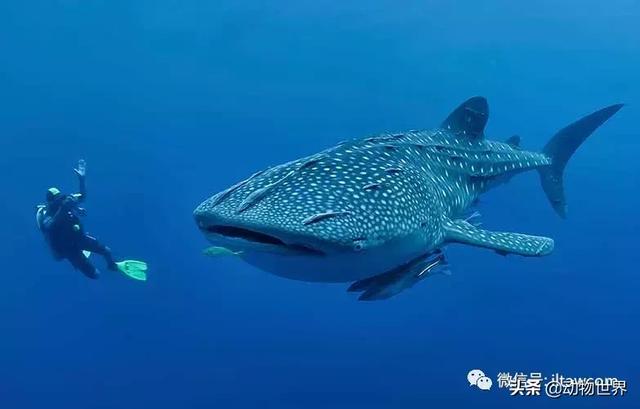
469,118
513,141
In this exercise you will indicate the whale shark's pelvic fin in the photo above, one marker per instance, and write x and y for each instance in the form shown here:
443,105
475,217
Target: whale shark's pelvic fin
560,148
469,118
461,231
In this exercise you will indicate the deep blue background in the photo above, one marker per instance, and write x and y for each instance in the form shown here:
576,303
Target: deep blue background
170,101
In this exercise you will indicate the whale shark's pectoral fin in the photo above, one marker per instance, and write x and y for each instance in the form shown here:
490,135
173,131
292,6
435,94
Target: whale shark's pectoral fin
461,231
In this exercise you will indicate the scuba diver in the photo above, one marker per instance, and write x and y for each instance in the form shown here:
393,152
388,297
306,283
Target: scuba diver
59,221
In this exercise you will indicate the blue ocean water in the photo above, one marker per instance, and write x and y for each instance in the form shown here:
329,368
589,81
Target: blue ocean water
172,101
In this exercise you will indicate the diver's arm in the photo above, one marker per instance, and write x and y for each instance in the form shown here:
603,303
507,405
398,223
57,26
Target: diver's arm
81,171
50,221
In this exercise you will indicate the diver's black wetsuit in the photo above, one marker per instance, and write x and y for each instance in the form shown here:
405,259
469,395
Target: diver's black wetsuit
66,236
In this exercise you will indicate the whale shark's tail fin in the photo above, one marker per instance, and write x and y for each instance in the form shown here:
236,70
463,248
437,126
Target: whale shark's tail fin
561,147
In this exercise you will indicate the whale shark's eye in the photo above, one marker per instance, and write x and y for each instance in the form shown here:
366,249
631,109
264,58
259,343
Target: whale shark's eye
358,244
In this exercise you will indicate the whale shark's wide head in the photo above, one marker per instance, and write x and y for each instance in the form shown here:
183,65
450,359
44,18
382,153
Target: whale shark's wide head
330,210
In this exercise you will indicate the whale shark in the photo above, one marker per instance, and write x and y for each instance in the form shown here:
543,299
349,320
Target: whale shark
378,211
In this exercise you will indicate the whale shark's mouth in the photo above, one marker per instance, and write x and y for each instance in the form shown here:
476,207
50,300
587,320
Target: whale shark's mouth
265,240
245,234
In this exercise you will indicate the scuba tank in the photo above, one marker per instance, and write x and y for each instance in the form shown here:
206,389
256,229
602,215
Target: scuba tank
41,213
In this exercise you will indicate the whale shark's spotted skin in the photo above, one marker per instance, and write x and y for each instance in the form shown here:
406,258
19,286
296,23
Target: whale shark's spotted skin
363,194
416,174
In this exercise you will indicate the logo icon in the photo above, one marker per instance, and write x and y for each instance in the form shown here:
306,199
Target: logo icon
477,378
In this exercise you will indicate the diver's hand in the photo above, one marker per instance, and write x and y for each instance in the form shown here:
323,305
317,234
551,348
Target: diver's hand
81,170
68,202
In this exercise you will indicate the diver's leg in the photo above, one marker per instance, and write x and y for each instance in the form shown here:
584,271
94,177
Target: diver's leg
80,262
93,245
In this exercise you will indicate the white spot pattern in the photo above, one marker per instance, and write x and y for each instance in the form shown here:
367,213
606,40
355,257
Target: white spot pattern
383,187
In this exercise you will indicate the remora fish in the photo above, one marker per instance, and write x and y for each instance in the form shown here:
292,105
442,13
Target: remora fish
378,210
